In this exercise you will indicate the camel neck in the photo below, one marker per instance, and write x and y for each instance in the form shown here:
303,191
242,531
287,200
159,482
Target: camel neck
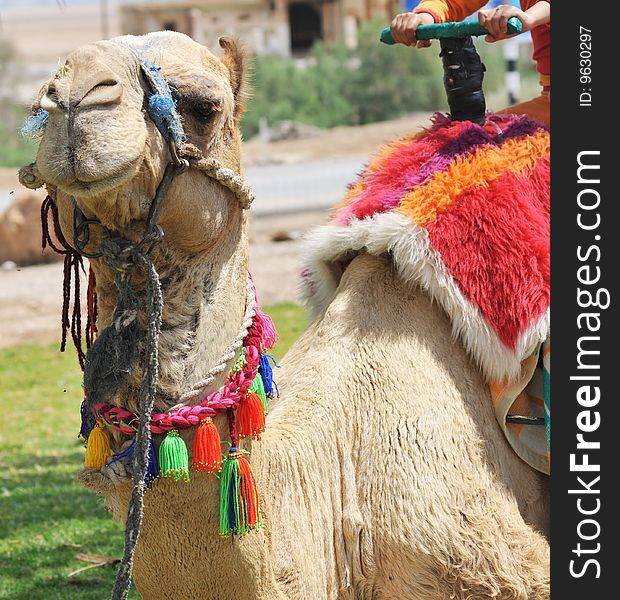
204,309
204,306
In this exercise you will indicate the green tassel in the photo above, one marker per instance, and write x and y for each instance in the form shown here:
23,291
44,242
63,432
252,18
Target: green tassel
258,387
239,512
173,459
229,497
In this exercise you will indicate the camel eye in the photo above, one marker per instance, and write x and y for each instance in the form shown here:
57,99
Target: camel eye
197,100
203,110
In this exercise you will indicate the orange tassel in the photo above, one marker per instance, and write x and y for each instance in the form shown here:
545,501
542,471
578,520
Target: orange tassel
248,493
98,449
251,416
207,447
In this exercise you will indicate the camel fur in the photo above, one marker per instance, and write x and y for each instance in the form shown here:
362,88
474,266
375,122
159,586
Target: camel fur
382,472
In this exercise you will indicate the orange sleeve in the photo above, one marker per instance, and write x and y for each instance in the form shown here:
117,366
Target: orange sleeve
450,10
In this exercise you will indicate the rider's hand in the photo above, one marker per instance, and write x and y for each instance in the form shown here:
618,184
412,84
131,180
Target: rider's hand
495,21
404,25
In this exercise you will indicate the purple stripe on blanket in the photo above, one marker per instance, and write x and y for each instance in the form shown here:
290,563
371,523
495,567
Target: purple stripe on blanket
523,126
468,142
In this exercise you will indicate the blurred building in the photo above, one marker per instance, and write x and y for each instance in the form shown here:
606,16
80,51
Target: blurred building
40,34
280,27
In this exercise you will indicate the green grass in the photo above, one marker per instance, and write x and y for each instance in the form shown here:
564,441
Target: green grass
46,517
15,149
17,152
291,321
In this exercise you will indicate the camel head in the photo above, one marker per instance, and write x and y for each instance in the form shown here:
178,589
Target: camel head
103,154
101,147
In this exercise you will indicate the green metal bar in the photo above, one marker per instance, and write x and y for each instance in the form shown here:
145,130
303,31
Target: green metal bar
452,30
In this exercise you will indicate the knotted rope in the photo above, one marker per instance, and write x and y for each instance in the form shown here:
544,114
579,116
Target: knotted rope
230,352
154,306
215,170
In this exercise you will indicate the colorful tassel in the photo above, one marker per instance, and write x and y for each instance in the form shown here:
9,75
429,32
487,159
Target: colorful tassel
173,458
98,449
87,420
266,373
258,388
270,335
152,467
251,416
239,512
207,447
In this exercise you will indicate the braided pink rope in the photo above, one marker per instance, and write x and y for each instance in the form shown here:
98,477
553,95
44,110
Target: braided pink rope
261,336
269,333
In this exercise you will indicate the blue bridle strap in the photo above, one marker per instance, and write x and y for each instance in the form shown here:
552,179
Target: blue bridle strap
161,104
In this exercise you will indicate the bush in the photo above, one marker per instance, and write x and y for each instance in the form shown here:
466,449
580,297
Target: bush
15,151
339,86
393,80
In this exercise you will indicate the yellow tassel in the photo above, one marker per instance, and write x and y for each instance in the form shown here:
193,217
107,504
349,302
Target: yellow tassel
98,449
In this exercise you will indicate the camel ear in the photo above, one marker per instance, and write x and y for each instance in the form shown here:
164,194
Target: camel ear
236,59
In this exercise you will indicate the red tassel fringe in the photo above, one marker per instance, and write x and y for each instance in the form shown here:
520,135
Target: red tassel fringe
251,416
207,447
248,492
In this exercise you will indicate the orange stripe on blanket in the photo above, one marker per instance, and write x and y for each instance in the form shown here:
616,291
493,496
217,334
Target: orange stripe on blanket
424,204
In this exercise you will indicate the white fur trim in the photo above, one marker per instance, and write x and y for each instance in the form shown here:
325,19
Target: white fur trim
418,264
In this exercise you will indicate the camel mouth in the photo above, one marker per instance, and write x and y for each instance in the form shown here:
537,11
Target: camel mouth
79,183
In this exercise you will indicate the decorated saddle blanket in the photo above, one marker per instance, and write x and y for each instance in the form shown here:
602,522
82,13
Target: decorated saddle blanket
463,212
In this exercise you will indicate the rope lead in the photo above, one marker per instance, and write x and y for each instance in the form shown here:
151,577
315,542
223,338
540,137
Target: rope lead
154,307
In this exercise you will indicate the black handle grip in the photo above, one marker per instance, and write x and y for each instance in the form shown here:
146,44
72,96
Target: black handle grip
463,76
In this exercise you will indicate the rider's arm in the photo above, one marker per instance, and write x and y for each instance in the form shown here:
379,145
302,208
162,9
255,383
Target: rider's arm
449,10
539,13
430,11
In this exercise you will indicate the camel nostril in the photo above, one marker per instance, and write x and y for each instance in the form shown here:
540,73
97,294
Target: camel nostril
50,100
52,93
108,91
106,83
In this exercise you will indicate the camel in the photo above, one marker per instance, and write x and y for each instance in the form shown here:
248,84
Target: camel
382,472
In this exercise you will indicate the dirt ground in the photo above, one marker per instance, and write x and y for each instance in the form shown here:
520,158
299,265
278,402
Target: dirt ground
30,297
333,143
